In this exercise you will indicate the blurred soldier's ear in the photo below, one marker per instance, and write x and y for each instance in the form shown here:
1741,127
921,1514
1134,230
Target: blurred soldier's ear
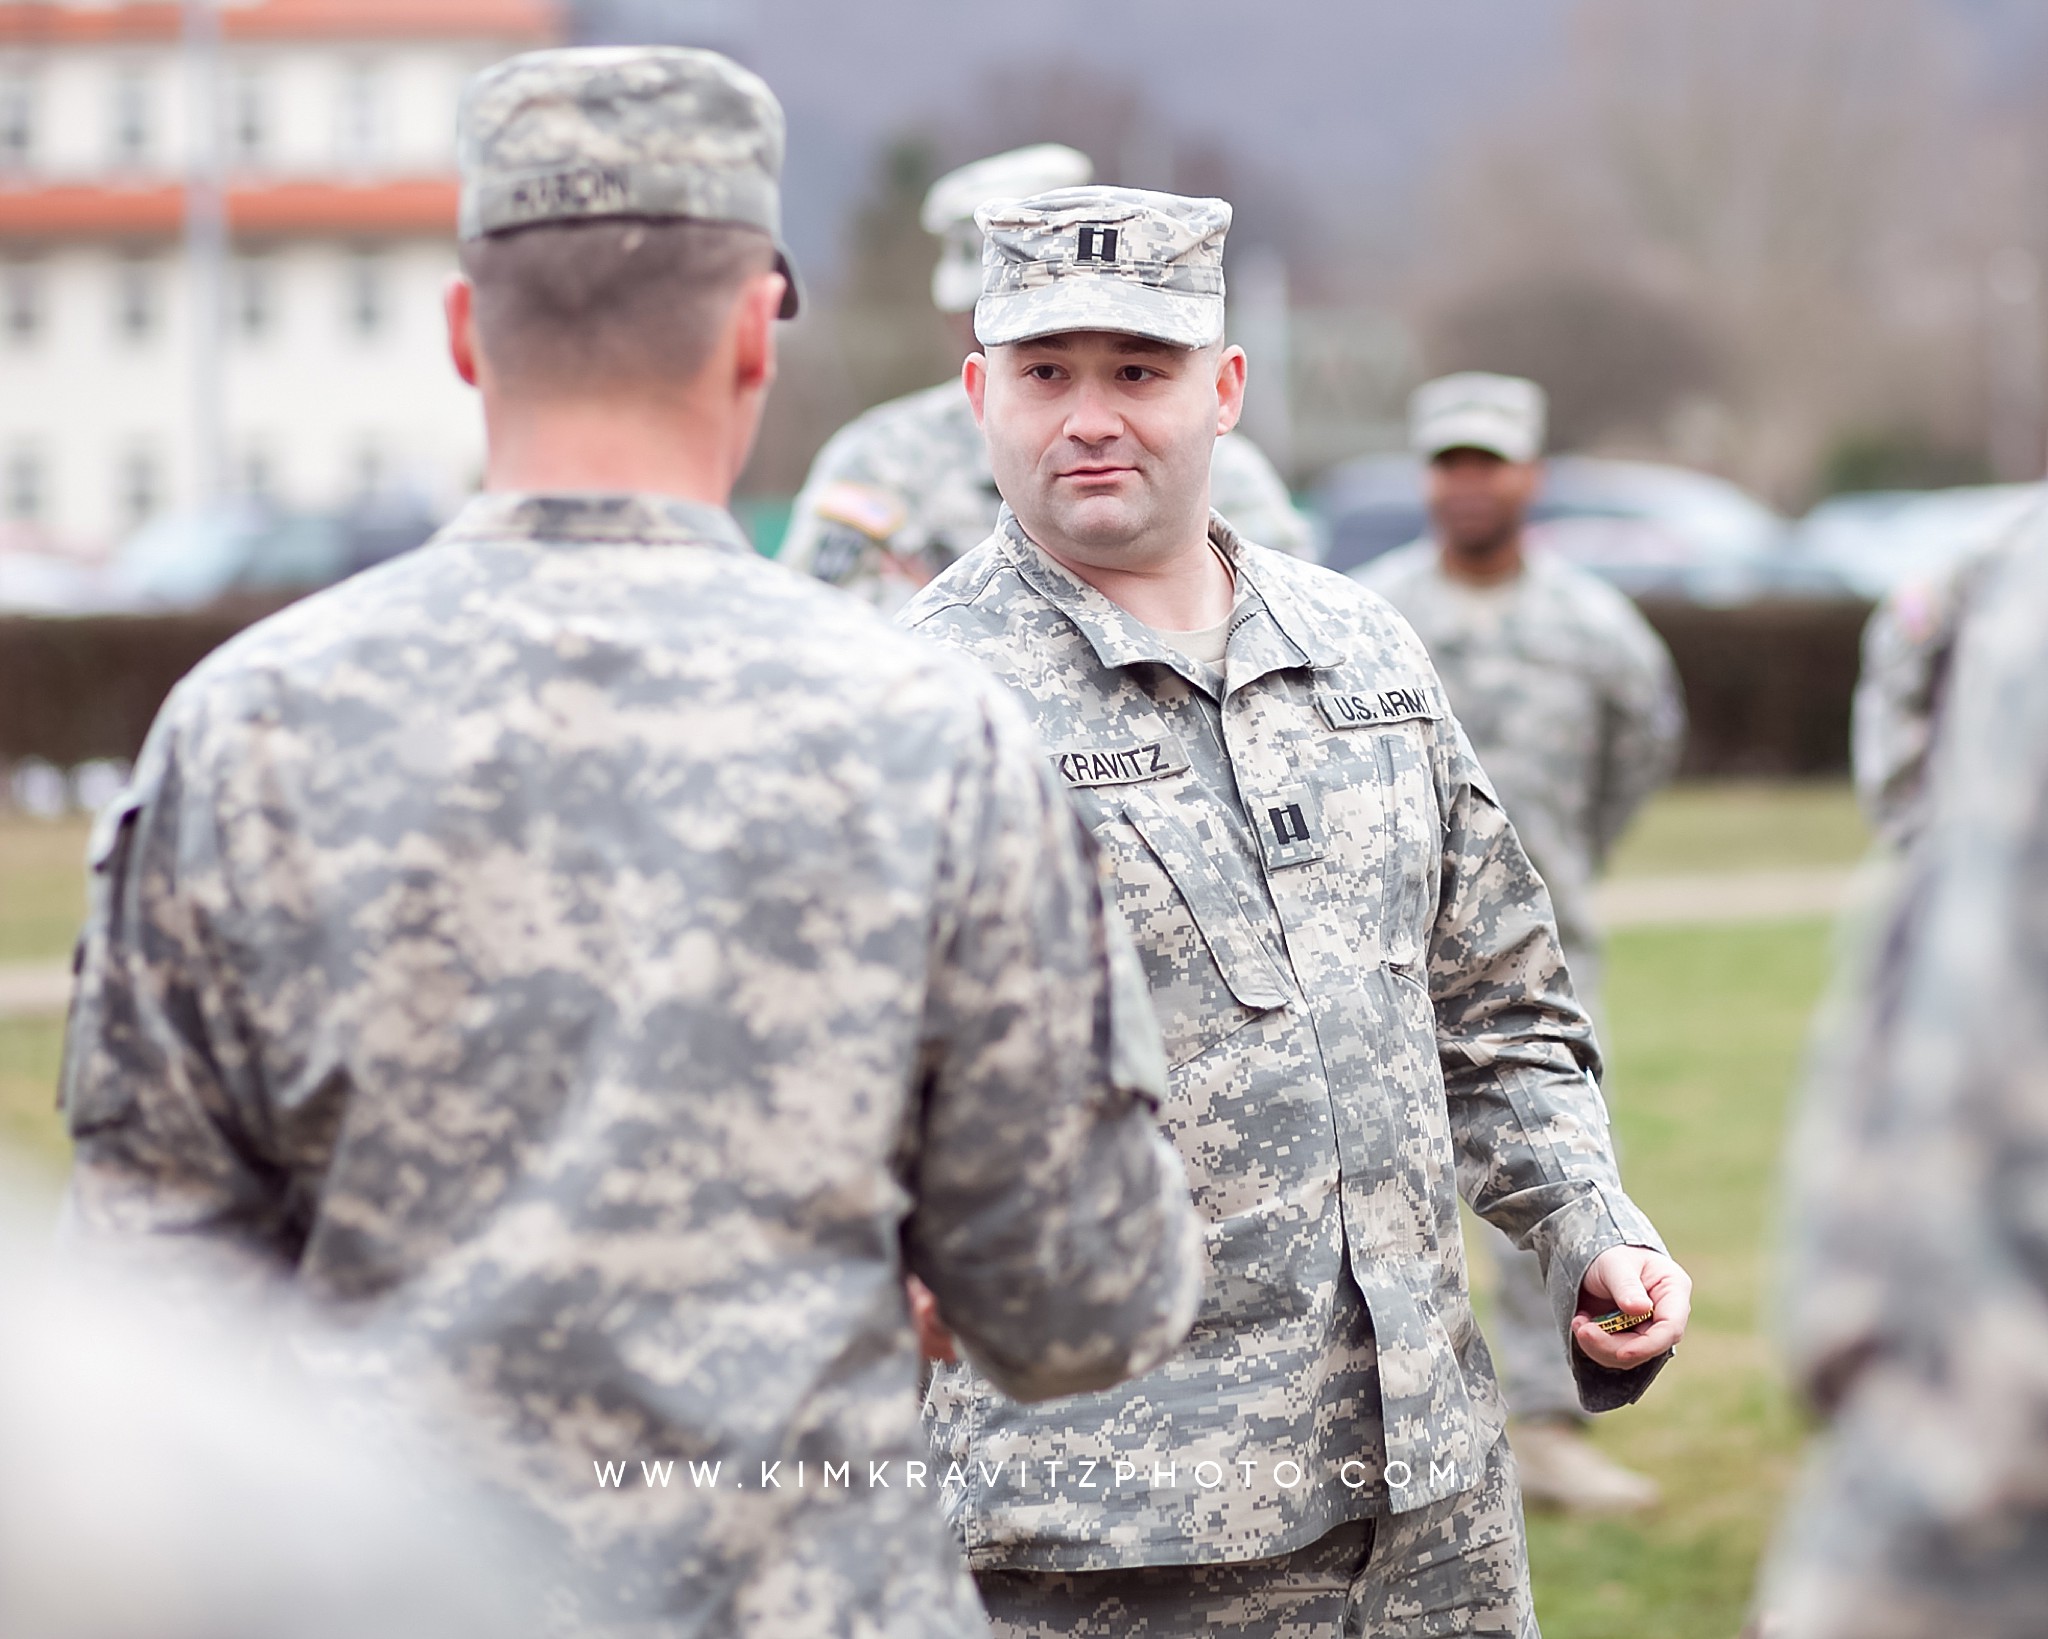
1230,379
974,377
458,303
754,316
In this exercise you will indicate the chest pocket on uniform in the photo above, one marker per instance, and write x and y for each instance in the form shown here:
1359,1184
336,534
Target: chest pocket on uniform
1208,971
1381,813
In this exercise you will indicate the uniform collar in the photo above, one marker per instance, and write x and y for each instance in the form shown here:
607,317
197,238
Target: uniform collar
1270,629
579,516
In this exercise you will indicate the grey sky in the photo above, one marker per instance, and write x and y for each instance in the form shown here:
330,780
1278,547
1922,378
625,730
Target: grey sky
1359,95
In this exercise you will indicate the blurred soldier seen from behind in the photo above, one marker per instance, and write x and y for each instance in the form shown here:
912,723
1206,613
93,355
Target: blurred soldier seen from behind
593,966
1916,1286
1908,653
904,490
1573,706
1361,990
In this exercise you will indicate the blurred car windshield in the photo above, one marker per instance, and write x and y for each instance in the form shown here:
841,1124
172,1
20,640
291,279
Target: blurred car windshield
1875,540
1652,530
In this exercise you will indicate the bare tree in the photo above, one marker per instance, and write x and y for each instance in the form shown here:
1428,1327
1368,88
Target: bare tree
1785,171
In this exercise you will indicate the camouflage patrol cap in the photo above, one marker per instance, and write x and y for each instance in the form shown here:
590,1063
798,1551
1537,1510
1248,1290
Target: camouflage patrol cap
1122,259
622,131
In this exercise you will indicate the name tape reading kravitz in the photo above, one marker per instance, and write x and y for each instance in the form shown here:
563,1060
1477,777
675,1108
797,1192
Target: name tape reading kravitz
1120,765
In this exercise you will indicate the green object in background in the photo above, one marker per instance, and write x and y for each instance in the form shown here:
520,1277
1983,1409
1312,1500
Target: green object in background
765,518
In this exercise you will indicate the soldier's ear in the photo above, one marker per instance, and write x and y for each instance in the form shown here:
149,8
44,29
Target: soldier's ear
754,318
974,377
458,304
1230,379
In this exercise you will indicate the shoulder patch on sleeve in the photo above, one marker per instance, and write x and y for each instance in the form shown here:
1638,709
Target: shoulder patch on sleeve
876,513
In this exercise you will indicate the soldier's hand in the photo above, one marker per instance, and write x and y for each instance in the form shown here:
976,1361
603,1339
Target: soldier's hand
1634,1280
933,1337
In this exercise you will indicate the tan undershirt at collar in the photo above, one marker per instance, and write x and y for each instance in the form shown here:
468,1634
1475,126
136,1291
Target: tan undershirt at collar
1204,648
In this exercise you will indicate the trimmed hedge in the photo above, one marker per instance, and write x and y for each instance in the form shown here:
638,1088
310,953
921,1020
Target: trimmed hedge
75,687
1767,685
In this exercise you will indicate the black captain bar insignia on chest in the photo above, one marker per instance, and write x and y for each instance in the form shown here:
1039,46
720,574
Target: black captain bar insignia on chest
1290,826
1124,764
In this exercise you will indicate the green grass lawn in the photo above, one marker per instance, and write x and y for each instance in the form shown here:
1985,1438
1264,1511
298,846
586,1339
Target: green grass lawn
29,1053
42,887
1707,1030
1744,825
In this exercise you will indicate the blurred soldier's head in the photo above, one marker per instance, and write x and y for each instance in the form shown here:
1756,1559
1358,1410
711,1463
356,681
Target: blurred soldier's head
949,210
1481,437
1105,380
621,232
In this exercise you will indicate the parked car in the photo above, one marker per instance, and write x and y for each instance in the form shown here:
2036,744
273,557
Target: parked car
183,559
1874,540
1652,530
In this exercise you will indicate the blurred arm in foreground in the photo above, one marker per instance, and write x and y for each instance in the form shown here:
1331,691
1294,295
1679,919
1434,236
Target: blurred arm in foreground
210,1495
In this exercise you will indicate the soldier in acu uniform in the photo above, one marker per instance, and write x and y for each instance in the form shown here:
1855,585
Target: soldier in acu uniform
1917,1281
1908,653
1359,979
1572,704
593,965
906,489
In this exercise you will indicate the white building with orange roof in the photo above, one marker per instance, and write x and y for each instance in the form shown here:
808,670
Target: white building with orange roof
336,149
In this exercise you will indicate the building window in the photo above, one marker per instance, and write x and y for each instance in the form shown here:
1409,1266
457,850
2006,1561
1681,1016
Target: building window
249,118
17,117
361,130
367,295
255,297
141,492
25,487
133,126
21,305
135,300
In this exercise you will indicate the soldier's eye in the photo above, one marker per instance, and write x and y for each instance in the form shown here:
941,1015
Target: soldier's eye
1044,372
1134,372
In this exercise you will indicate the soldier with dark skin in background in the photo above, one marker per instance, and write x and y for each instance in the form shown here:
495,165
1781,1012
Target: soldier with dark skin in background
1572,704
591,966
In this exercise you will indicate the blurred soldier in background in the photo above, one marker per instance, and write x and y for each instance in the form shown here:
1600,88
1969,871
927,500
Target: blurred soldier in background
904,490
594,964
1361,989
1573,707
1908,651
1917,1282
